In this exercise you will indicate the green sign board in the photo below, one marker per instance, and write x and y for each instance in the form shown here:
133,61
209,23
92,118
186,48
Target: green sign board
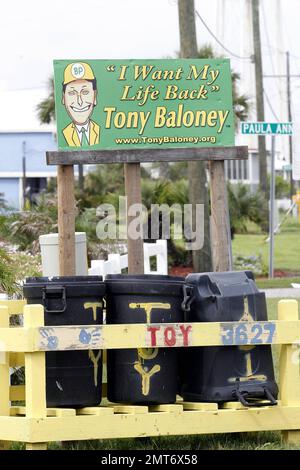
267,128
124,104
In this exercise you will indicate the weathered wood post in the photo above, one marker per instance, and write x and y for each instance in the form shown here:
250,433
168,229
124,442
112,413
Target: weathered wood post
66,220
4,375
289,372
135,248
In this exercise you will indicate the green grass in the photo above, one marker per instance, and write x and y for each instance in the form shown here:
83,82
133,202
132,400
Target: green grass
238,441
287,247
278,282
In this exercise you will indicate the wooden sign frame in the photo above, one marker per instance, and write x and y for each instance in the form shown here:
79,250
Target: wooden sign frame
221,238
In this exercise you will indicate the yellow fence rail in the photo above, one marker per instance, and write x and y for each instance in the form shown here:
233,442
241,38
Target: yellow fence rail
36,425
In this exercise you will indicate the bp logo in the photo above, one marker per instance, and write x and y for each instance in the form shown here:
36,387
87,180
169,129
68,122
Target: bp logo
78,70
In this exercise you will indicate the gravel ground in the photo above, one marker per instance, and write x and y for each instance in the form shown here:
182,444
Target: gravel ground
282,293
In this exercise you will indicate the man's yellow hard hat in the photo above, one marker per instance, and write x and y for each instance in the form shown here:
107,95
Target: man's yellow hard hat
78,71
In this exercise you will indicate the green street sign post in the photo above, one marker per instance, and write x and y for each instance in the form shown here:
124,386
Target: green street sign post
272,129
127,104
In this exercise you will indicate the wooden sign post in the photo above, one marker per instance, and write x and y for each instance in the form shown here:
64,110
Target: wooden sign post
132,173
221,240
220,219
66,220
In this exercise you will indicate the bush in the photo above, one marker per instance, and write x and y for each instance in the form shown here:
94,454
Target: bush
250,263
245,207
8,282
282,187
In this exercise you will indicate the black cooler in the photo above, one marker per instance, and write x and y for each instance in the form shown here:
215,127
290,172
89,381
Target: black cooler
146,375
73,378
227,373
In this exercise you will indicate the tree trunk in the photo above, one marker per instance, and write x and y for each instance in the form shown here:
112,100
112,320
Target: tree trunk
260,110
198,191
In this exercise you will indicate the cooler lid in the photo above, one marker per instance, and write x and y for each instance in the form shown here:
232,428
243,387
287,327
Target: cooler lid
227,284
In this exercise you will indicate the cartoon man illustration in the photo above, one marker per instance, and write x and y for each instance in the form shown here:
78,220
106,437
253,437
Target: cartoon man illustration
79,98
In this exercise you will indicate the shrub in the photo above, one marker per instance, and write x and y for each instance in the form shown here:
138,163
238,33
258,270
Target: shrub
250,263
245,206
24,228
8,282
282,187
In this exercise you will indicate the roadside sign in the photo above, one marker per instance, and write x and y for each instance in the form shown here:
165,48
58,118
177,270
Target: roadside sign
124,104
267,128
287,167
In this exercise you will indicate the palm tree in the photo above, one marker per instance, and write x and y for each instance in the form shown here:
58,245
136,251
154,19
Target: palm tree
46,108
197,180
245,206
241,103
46,114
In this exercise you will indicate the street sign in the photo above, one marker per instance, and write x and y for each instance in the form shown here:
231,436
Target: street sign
272,129
267,128
287,168
125,104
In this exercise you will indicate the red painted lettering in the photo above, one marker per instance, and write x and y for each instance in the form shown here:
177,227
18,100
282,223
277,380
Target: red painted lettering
153,330
185,330
170,336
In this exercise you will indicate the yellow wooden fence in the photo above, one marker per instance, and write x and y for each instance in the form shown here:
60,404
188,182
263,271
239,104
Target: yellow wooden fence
36,425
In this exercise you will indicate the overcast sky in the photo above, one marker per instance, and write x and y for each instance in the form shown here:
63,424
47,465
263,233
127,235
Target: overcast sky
34,32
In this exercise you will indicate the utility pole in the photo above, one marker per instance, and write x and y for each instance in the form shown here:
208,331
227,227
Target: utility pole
288,77
288,82
260,111
24,172
198,191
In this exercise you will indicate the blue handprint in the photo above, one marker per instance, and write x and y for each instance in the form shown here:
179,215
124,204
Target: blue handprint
84,337
52,340
91,338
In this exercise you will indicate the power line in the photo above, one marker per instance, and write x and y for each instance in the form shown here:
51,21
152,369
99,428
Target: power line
219,42
280,51
293,56
281,76
268,41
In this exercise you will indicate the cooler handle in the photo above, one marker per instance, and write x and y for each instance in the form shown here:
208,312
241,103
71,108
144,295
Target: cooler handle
188,298
59,290
242,397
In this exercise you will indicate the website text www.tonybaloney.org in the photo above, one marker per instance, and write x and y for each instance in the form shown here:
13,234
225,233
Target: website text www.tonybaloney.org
166,140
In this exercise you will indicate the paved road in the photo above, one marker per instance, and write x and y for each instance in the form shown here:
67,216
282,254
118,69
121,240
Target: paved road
282,293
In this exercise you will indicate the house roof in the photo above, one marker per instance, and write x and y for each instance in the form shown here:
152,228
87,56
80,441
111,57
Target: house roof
19,111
